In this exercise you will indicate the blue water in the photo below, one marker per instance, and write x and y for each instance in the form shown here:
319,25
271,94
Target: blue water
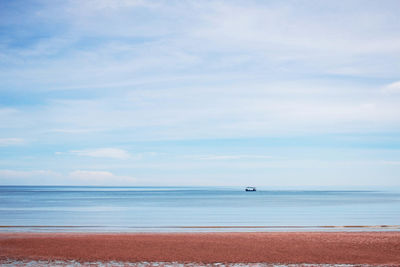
45,208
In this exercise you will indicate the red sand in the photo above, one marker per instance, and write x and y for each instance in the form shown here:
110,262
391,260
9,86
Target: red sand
282,247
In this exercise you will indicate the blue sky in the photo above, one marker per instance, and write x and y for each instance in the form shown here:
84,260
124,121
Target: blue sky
230,93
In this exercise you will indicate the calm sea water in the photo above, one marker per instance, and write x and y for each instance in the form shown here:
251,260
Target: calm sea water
138,209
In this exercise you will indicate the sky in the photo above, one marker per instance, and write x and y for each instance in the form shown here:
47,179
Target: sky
202,93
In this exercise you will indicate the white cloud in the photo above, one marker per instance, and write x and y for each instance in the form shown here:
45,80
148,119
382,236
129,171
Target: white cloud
390,162
392,88
252,110
100,178
77,177
229,157
113,153
103,73
74,131
284,27
172,40
11,141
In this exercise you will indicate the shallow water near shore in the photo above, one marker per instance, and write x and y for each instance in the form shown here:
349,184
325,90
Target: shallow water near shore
195,209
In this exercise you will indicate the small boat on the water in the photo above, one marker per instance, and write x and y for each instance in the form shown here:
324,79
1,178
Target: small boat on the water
250,188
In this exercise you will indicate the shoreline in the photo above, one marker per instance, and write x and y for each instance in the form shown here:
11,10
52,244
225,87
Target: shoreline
194,228
372,248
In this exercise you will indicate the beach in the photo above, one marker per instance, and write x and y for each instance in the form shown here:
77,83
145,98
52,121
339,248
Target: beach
371,248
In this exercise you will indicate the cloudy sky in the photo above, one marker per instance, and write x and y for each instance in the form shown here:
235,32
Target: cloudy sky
265,93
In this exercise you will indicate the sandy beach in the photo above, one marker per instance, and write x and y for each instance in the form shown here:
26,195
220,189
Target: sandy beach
373,248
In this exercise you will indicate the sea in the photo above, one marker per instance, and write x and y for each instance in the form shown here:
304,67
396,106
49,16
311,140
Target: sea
195,209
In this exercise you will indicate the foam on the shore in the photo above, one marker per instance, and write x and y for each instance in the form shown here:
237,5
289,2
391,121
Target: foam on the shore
72,263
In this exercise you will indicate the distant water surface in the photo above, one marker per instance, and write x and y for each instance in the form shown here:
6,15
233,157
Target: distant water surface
178,209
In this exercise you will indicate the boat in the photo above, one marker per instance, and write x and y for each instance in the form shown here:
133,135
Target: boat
250,188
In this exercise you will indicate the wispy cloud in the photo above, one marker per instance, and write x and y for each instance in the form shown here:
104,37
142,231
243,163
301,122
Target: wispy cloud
235,69
229,157
391,162
392,87
74,131
113,153
100,78
11,141
77,177
100,177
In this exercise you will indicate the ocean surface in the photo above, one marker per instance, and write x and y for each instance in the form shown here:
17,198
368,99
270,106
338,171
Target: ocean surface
189,209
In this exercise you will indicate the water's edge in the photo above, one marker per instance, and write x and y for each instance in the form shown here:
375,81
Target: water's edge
42,263
138,229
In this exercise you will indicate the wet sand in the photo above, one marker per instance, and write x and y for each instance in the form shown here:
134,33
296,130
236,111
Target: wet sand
380,248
